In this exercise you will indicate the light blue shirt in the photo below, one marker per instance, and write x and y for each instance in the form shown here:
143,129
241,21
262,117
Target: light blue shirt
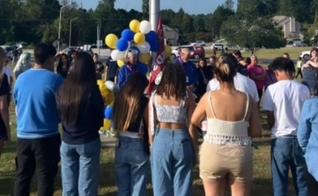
307,134
34,96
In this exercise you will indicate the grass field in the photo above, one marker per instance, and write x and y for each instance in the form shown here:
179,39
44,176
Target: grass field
294,52
107,186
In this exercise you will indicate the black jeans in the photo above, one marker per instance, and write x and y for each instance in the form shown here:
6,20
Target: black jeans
40,154
299,72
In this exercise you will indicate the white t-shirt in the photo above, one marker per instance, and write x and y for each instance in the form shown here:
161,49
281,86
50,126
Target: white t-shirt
285,98
7,70
241,83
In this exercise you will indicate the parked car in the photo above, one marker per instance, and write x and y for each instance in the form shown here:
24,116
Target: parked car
196,51
198,43
305,54
218,46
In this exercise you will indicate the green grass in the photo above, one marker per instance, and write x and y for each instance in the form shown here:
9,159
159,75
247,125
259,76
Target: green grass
294,52
262,182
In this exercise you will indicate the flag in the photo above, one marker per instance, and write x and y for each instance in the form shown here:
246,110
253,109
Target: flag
158,61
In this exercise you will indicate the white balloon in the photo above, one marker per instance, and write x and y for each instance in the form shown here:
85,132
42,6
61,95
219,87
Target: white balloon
145,27
144,48
117,55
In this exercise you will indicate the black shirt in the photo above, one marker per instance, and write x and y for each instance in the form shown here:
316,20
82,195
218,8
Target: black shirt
4,90
112,69
89,120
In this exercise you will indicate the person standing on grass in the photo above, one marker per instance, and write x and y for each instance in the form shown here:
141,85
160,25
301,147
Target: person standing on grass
98,66
310,69
174,142
23,64
299,64
81,108
226,155
307,135
7,70
283,102
38,138
130,120
5,131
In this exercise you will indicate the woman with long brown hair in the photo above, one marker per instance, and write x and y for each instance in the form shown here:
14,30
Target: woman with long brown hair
130,120
63,67
174,142
81,109
226,155
5,131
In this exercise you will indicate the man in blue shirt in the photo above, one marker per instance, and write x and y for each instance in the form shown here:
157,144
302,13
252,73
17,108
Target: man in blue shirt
38,138
189,68
132,66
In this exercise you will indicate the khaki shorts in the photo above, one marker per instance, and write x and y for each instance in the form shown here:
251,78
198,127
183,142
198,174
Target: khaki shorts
231,161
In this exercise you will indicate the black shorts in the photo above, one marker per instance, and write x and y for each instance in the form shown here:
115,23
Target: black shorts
260,93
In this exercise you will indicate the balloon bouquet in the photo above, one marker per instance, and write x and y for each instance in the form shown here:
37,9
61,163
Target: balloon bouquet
138,37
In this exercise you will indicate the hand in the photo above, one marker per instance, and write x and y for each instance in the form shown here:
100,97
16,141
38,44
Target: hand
306,65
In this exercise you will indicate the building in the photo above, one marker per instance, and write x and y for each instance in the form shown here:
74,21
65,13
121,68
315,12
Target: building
290,27
171,35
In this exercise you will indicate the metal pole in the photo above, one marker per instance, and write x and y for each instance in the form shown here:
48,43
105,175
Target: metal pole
70,36
60,21
154,13
99,27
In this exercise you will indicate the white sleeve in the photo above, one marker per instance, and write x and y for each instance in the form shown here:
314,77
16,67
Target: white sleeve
213,85
255,92
268,103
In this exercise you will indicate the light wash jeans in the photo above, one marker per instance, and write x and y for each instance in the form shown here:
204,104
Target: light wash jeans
286,153
80,168
172,159
131,164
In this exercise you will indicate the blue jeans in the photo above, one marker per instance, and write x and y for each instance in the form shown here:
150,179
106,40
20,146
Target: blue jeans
285,153
80,168
172,160
131,164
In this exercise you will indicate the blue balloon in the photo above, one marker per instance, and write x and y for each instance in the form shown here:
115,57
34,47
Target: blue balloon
122,44
127,34
108,112
151,36
154,46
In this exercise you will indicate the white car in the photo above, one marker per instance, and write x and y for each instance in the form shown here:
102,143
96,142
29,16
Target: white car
198,43
305,54
218,46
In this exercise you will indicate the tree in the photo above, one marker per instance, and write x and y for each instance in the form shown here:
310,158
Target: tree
145,9
252,33
229,4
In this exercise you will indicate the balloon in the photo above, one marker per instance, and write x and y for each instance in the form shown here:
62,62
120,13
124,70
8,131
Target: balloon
145,27
122,44
154,46
108,112
120,63
144,58
127,34
144,48
139,38
106,125
111,40
117,55
151,36
168,51
134,25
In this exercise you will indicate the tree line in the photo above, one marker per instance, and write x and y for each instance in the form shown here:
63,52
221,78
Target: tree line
33,21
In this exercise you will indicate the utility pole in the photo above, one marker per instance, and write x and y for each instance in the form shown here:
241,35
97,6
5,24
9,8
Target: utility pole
70,36
154,13
99,25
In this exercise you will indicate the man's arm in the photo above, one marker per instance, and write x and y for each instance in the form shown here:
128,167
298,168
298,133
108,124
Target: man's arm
270,119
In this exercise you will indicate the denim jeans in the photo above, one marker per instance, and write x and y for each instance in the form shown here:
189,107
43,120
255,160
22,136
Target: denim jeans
172,159
285,153
131,164
80,168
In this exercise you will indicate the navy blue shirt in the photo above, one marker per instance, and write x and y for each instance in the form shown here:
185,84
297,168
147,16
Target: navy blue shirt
89,120
190,71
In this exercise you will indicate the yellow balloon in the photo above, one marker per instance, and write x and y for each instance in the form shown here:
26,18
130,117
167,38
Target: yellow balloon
139,38
134,25
168,51
120,63
106,125
111,40
144,58
107,95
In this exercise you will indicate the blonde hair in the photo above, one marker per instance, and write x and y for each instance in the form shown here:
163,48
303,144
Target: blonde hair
24,58
225,68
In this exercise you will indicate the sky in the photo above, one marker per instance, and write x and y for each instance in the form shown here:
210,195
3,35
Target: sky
189,6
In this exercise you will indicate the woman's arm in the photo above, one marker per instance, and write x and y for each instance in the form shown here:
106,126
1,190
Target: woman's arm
192,129
152,120
4,111
255,128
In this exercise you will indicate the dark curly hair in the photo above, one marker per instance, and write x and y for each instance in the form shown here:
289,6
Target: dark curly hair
173,82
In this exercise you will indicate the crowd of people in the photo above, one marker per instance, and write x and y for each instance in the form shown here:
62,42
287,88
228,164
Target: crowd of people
219,100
